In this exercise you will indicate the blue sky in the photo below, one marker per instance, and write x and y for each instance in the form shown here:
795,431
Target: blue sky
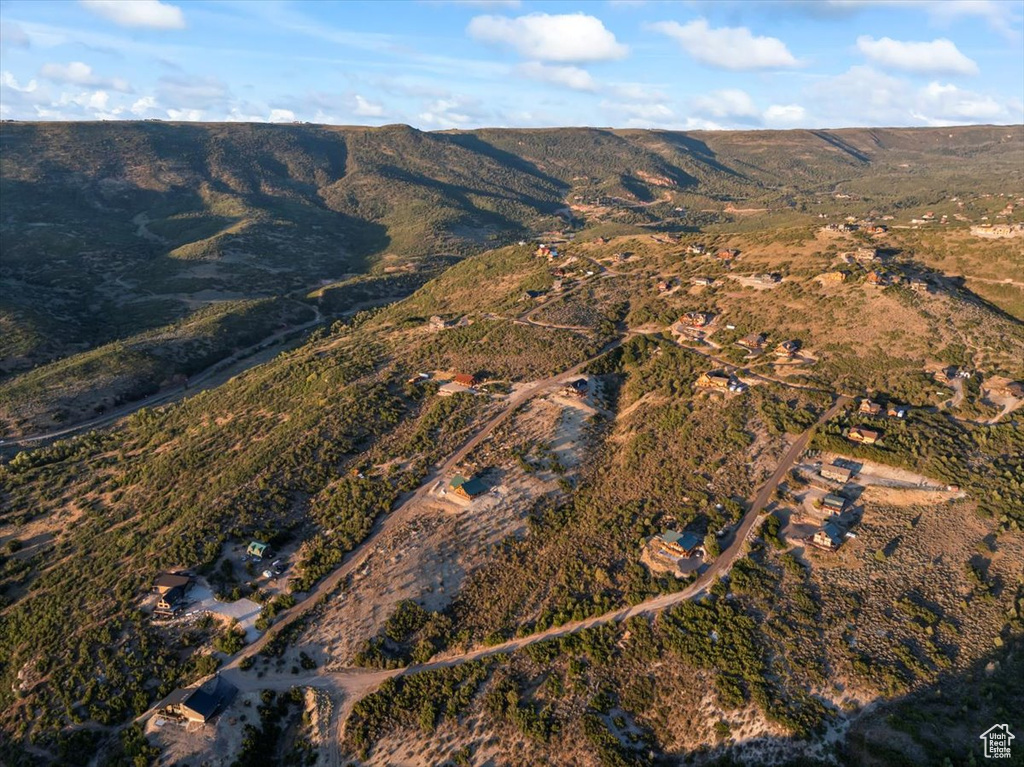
435,64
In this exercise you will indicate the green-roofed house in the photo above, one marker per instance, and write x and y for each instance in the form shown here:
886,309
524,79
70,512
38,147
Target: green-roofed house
257,549
675,544
468,488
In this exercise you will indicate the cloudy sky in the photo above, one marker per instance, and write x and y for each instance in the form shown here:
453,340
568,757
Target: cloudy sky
440,64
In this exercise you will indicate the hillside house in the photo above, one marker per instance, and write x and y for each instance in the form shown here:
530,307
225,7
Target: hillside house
438,322
836,473
198,704
257,549
768,278
828,537
704,281
697,319
468,488
833,503
865,254
753,342
714,380
664,286
918,284
1013,389
877,229
787,348
863,436
673,544
465,379
696,249
896,411
170,602
167,581
727,254
578,388
867,407
877,278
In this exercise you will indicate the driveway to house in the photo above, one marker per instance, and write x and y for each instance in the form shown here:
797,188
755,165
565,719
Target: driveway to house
245,611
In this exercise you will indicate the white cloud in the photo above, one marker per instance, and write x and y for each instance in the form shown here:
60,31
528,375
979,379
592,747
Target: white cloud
937,57
185,115
570,77
734,48
145,105
731,103
1000,15
784,115
80,73
8,81
138,13
191,92
281,116
570,37
865,96
454,112
637,92
366,108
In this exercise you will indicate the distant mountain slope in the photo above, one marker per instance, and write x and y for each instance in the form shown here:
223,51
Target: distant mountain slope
109,229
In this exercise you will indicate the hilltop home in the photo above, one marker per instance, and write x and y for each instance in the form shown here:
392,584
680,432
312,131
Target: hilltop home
828,537
468,488
671,543
728,254
863,436
837,473
697,319
867,407
465,379
714,380
754,342
787,348
257,549
577,388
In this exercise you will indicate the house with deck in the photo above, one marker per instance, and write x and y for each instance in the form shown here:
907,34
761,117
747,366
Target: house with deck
863,436
468,488
836,473
675,545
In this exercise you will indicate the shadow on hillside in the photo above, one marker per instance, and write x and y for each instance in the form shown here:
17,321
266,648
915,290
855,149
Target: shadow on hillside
474,143
699,150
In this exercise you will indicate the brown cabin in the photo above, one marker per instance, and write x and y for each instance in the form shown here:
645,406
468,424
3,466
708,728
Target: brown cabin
863,436
465,379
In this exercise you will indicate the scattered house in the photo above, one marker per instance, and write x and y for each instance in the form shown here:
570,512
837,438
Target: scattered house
468,488
867,407
438,322
836,276
896,411
998,230
928,216
465,379
865,254
714,380
754,342
1013,389
727,254
833,503
877,278
664,286
877,229
618,258
198,704
828,537
768,278
257,549
578,388
918,284
704,281
697,319
697,249
838,228
546,251
787,348
863,436
165,582
837,473
170,602
671,543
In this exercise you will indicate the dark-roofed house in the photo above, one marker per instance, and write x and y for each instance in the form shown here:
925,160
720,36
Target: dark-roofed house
167,581
170,602
577,388
863,436
754,342
837,473
833,503
672,543
198,704
829,537
468,488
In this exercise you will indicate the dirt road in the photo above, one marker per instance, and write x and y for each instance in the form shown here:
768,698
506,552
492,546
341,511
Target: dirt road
353,684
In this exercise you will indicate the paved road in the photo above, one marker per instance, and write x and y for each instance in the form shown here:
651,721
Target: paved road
206,379
354,684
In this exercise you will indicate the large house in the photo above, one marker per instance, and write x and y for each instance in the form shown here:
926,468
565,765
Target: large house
837,473
727,254
468,488
465,379
714,380
754,342
198,704
863,436
671,543
833,503
787,348
868,407
829,536
697,319
577,388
